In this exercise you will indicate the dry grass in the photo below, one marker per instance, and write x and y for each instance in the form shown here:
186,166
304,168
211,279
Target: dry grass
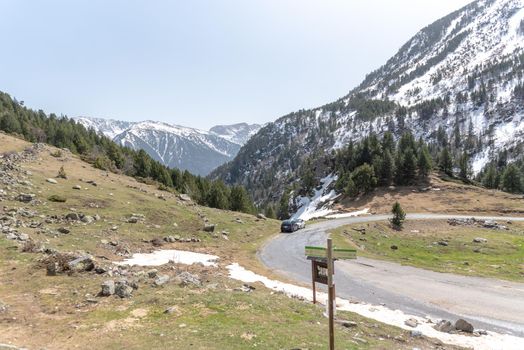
451,196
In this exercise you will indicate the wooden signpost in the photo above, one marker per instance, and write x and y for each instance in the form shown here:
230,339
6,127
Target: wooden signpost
322,271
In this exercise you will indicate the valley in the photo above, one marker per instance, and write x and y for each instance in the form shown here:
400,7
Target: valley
146,234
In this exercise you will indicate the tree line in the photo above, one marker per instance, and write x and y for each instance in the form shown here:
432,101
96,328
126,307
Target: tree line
103,153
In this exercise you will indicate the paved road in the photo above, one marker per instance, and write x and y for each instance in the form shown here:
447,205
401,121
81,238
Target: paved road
488,303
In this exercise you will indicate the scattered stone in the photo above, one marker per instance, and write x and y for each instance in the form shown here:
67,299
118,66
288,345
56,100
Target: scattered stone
77,187
444,326
108,288
132,220
185,278
157,242
52,181
87,219
480,240
64,230
209,228
261,216
349,324
184,197
172,310
152,273
161,280
443,243
411,322
490,224
72,217
3,307
415,334
394,247
245,288
96,217
25,198
57,199
83,263
463,325
122,289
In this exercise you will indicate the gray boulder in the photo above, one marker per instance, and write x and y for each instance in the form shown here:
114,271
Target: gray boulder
161,280
122,289
464,326
209,228
185,279
83,263
444,326
108,288
72,217
25,198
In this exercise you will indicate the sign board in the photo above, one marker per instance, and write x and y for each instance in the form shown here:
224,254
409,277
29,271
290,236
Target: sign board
320,272
338,253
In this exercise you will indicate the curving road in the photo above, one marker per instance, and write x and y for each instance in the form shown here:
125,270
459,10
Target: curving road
488,303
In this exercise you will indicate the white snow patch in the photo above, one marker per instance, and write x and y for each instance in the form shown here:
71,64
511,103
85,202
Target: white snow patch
318,205
491,341
162,257
347,215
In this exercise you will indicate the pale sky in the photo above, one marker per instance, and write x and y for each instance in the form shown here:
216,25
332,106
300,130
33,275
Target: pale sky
199,63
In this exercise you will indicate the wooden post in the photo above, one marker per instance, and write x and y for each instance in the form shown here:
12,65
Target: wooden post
330,294
313,280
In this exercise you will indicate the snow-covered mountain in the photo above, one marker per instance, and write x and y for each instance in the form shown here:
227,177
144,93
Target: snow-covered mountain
238,133
109,127
176,146
461,75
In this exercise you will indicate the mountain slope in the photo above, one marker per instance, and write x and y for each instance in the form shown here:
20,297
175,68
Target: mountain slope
457,82
238,133
185,148
109,127
179,147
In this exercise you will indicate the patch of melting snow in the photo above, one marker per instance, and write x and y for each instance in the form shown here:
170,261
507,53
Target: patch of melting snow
162,257
491,341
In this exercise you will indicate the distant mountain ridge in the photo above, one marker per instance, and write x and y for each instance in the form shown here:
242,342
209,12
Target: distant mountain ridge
198,151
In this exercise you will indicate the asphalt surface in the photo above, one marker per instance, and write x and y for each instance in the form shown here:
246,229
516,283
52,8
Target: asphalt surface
487,303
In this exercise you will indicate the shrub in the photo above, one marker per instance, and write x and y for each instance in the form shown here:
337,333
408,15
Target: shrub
398,216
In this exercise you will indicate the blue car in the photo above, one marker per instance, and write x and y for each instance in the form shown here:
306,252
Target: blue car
292,225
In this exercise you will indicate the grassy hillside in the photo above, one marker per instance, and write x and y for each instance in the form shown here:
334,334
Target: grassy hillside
63,311
466,248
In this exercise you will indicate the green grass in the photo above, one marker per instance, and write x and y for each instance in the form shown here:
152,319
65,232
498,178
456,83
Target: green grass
501,257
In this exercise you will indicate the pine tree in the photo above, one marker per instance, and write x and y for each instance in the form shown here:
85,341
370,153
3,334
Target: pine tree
218,196
511,181
424,162
398,216
364,178
491,177
406,169
465,167
270,212
283,208
446,162
239,200
387,170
